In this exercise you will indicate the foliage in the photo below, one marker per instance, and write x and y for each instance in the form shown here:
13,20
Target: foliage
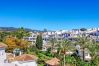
3,35
22,44
20,33
14,40
39,42
48,52
70,59
52,41
13,43
42,58
83,29
62,48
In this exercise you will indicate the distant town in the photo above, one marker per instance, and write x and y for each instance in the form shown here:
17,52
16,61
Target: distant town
26,47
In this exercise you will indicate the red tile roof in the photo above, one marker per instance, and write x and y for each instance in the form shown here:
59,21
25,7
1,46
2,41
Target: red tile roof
25,57
53,61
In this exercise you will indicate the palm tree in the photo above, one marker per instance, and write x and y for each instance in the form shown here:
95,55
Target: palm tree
63,47
84,42
94,48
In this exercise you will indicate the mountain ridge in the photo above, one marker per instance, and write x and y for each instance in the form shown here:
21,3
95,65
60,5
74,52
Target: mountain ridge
15,29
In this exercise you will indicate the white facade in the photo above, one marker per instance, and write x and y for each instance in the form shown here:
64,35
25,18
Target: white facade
25,63
7,64
87,55
31,38
61,34
2,55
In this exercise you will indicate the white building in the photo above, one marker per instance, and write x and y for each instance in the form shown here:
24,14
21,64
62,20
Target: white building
61,35
25,63
2,52
7,64
3,56
31,38
25,60
8,59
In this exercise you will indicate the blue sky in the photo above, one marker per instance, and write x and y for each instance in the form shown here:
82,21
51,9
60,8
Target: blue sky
50,14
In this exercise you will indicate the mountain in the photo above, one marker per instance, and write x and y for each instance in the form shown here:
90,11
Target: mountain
14,29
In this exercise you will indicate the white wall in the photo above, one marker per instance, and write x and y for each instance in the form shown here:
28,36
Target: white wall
2,55
6,64
25,63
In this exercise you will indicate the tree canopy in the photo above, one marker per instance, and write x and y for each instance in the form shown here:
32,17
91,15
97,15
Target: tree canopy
39,42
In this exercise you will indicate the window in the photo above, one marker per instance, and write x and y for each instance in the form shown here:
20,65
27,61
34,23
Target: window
31,38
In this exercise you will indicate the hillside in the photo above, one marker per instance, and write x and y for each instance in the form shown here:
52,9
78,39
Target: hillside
14,29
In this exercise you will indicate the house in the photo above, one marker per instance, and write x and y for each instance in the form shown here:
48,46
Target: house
22,60
25,60
6,64
3,56
53,62
2,52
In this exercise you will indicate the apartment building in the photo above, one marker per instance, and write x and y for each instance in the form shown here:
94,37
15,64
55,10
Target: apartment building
31,38
64,34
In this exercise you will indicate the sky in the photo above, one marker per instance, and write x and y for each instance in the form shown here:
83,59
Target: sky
49,14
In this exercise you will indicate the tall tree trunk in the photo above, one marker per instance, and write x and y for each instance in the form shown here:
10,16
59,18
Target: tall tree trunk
64,59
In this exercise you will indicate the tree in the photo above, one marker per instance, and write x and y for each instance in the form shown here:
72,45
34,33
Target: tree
52,41
22,44
20,33
45,30
13,43
63,47
83,29
84,42
3,35
39,42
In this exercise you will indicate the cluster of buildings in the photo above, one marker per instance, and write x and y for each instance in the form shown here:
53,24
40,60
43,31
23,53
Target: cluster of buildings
64,34
9,59
13,59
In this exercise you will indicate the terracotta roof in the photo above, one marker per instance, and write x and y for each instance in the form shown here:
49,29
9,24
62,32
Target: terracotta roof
2,45
53,61
25,57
